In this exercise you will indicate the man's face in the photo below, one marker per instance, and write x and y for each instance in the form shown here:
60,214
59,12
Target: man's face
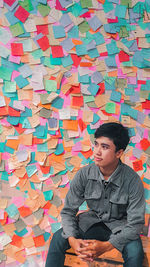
105,154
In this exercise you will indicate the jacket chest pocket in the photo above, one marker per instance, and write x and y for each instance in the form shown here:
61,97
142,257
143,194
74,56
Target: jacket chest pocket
118,206
93,190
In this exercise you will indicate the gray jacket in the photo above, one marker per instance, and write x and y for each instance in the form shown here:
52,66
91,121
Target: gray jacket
121,205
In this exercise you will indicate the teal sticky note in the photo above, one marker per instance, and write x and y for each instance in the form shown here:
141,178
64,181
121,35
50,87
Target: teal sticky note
55,227
9,150
120,11
67,61
21,82
58,103
111,61
133,113
42,147
83,78
12,210
5,73
25,123
26,113
83,206
9,87
2,145
74,32
129,91
46,236
96,118
131,132
93,53
55,61
110,107
76,9
108,6
59,149
39,131
31,169
48,195
13,120
93,88
99,38
51,85
81,50
112,48
4,176
37,54
125,109
21,233
115,96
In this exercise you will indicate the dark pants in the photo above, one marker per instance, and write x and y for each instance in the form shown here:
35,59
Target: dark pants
132,252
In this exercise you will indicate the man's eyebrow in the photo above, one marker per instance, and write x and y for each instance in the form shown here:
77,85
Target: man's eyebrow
103,144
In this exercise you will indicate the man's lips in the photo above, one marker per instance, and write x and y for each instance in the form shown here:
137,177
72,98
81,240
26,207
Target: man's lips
97,158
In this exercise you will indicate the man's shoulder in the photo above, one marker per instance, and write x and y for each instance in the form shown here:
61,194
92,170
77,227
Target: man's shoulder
129,172
90,169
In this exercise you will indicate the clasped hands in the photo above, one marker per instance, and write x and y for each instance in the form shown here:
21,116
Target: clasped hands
87,250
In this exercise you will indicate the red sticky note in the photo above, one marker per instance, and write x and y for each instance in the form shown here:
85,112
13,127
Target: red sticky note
10,2
3,111
101,88
82,125
39,241
76,60
42,29
59,6
16,241
19,128
87,154
77,101
146,104
123,56
104,54
17,49
43,43
141,82
21,14
57,51
45,169
145,144
75,89
13,112
112,20
137,165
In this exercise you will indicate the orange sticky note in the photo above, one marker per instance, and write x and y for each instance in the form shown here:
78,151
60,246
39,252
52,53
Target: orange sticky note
77,101
70,125
13,143
39,241
16,241
87,154
24,211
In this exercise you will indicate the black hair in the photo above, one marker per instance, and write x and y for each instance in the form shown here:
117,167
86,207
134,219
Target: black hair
115,132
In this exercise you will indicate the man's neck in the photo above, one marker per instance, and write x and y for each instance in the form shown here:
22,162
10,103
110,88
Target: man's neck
107,172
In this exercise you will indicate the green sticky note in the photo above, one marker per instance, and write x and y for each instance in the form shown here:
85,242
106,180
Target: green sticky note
37,54
47,63
26,4
86,3
123,32
51,85
16,29
10,87
88,98
127,3
110,107
84,27
5,73
43,9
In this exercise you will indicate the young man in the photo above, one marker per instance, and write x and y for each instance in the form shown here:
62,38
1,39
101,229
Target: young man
115,198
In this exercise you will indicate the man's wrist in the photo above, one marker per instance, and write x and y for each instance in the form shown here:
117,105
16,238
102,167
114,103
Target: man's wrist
109,246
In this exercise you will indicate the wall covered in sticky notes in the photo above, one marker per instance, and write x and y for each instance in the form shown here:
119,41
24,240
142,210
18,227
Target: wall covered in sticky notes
66,67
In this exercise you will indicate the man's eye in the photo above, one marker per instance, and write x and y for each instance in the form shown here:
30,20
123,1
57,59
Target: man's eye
95,143
105,147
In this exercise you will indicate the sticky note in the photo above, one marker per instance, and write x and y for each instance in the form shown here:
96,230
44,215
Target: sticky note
59,31
110,107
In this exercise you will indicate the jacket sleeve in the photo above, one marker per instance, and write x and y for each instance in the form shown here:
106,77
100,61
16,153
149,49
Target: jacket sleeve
135,216
73,200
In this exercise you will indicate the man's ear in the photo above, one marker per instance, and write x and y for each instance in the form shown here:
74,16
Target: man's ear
119,153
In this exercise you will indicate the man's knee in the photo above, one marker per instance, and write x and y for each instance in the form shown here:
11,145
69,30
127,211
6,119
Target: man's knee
133,251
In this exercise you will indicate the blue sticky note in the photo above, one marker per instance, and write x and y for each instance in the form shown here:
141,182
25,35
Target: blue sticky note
48,195
12,210
31,169
11,18
97,77
21,82
59,31
67,61
94,23
81,50
93,88
131,132
99,38
110,61
115,96
109,86
52,122
65,20
67,44
59,149
110,28
129,91
120,11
